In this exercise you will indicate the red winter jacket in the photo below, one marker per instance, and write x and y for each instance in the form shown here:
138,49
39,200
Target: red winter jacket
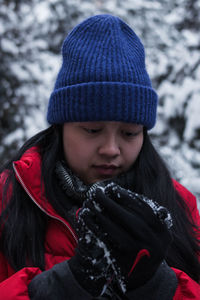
60,238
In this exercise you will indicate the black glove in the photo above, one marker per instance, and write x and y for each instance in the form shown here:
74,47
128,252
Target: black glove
134,232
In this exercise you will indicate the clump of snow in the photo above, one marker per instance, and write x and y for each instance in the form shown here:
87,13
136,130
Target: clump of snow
9,46
97,206
42,11
88,238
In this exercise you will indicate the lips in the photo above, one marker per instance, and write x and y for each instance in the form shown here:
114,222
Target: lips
107,170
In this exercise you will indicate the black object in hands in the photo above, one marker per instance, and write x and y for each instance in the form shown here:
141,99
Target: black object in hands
134,232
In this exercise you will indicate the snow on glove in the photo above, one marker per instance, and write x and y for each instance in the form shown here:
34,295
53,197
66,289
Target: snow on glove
90,265
135,230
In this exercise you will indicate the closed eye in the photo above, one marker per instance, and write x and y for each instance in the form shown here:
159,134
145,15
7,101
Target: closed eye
130,134
91,130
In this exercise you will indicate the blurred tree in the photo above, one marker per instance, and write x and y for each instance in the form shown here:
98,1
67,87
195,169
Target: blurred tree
178,82
16,79
31,35
189,27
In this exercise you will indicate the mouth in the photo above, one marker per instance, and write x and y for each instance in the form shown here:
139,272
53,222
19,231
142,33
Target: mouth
106,170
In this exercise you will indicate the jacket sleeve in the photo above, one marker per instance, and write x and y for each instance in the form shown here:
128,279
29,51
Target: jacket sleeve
13,285
187,288
16,286
191,202
52,284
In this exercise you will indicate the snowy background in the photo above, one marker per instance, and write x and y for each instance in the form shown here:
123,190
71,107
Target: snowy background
31,35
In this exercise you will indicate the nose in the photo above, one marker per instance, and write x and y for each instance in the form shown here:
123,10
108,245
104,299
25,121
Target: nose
109,147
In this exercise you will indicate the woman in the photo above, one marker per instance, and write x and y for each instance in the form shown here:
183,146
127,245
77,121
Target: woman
88,208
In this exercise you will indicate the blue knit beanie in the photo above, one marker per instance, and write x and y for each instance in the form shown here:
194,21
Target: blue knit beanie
103,76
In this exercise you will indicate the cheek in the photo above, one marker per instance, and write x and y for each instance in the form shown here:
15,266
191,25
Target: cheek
72,152
79,159
77,155
134,150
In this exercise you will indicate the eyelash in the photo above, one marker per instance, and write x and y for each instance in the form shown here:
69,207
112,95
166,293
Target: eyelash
92,131
130,134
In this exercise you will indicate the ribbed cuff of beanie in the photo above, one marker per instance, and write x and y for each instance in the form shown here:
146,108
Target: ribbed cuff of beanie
103,101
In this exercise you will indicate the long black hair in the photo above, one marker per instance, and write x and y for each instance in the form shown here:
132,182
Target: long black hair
25,246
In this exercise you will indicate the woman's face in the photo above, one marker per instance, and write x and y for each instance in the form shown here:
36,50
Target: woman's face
101,150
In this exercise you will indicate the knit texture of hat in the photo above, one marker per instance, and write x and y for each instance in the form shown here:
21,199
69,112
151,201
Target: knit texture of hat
103,76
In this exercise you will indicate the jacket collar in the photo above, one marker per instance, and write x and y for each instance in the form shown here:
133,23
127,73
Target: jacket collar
28,173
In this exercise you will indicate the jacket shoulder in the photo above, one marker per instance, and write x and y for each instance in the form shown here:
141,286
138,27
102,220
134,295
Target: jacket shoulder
187,196
187,288
191,204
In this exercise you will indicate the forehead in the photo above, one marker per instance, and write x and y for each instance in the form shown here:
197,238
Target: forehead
106,124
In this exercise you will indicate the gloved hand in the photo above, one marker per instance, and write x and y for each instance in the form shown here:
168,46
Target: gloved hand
134,232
